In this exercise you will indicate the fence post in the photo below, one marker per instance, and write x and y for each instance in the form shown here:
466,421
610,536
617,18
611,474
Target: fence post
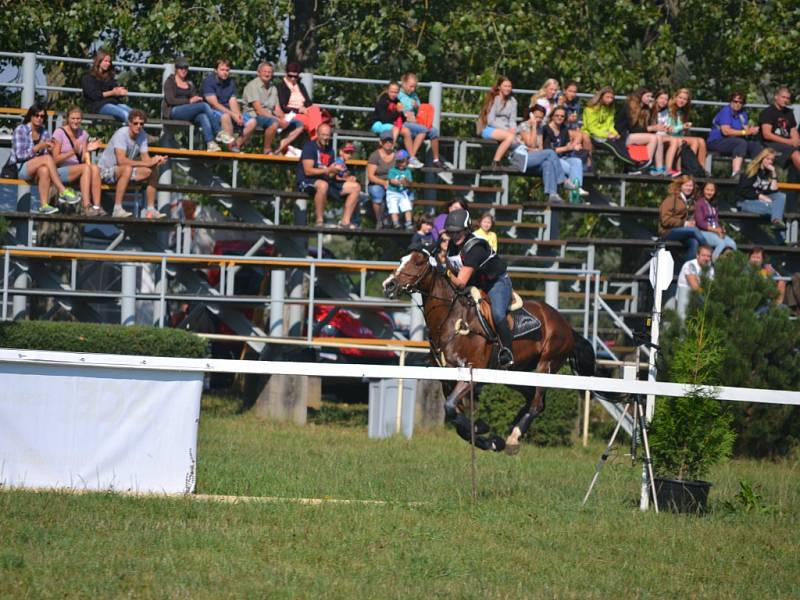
307,80
165,178
435,100
28,80
551,293
127,303
277,292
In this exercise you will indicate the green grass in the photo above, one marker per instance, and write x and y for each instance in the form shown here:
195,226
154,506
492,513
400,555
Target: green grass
527,537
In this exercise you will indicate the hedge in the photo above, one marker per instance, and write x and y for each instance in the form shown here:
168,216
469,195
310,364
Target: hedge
65,336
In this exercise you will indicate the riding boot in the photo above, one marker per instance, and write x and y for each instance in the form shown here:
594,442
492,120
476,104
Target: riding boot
505,357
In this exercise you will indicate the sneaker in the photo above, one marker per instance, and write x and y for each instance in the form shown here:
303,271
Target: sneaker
555,198
674,173
409,226
439,164
152,213
120,213
735,175
223,137
96,211
658,171
293,151
583,192
415,163
47,209
213,147
69,196
396,225
233,147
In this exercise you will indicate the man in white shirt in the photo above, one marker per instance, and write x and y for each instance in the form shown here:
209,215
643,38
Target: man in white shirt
689,277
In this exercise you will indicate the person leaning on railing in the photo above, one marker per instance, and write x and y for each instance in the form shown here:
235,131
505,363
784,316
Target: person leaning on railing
183,103
730,131
32,159
71,153
101,92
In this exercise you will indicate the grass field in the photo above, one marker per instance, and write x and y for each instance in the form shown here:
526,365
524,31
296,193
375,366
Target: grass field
527,536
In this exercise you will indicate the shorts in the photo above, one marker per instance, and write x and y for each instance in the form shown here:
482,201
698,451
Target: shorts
377,193
784,151
487,132
22,171
378,127
109,174
245,118
397,202
334,188
265,122
63,172
431,133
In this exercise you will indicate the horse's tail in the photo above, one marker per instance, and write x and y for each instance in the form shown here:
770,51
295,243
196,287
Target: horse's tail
582,357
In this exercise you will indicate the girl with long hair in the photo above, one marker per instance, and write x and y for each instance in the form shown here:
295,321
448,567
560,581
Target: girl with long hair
546,97
101,92
389,116
758,191
409,98
71,154
598,122
679,109
706,216
633,124
498,118
675,221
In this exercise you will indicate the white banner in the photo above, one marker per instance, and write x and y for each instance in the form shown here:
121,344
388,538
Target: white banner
85,427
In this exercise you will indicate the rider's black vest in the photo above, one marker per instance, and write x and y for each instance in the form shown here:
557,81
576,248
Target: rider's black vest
487,271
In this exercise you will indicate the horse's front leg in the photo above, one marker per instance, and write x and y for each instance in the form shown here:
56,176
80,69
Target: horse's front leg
532,409
451,402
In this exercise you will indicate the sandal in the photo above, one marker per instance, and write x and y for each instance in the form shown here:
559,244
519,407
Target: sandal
350,226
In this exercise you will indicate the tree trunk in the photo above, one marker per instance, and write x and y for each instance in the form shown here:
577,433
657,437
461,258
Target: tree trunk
301,46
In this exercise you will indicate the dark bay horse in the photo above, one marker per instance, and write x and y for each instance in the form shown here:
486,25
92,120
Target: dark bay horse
458,339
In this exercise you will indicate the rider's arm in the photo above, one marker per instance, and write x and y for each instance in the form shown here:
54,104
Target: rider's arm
463,277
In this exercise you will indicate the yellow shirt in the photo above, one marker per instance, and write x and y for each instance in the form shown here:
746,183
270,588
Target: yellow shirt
489,236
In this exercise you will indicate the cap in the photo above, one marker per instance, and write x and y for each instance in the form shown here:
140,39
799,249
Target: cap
456,221
401,155
348,148
387,135
181,62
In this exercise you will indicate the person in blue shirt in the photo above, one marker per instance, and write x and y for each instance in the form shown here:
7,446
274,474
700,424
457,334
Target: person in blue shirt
399,196
731,133
410,100
219,91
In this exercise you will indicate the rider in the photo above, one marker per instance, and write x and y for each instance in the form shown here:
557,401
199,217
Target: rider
475,263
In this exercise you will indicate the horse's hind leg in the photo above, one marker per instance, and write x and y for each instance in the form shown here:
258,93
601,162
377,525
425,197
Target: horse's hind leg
532,409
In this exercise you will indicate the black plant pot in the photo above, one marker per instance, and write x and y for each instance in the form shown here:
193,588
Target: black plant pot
682,496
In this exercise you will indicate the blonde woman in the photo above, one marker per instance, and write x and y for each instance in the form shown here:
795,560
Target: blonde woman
498,118
546,97
679,108
71,154
758,190
598,122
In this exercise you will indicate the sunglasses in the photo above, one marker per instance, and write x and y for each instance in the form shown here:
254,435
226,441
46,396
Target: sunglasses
186,67
292,75
40,115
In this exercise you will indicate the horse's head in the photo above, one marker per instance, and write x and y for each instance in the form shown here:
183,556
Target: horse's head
410,274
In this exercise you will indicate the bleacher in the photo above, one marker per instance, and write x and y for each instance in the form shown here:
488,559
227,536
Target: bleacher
563,252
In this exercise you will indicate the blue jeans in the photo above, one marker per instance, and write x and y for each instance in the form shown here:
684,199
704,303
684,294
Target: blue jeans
774,209
118,111
199,113
690,237
377,193
717,243
416,129
573,166
546,162
500,297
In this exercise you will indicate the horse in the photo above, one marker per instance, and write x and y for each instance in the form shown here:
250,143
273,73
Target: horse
458,339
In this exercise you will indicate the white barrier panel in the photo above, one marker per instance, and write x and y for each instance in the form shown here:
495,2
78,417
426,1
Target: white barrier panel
569,382
86,427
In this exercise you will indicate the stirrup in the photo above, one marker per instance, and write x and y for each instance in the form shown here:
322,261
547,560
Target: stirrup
505,358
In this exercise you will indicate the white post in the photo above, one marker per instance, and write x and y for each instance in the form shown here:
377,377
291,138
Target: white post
277,289
28,96
551,293
164,198
307,79
661,267
127,303
19,303
435,100
417,324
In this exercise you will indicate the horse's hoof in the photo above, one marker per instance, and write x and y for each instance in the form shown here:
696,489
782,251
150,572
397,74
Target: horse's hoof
512,449
498,443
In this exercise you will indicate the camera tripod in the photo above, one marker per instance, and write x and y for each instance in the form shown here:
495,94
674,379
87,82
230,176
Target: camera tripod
640,423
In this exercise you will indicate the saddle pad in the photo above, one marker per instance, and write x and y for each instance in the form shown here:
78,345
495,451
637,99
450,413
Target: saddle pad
524,323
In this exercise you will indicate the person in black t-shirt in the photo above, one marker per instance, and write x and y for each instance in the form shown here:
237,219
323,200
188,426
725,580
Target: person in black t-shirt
474,263
779,129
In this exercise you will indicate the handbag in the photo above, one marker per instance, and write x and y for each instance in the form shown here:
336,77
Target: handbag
689,163
9,170
639,153
425,115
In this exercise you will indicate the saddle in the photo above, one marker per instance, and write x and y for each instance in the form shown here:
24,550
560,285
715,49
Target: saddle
522,322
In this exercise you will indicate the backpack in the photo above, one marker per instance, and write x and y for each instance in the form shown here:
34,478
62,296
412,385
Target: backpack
689,163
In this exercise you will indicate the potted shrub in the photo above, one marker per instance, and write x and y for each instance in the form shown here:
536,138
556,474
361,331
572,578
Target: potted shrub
689,435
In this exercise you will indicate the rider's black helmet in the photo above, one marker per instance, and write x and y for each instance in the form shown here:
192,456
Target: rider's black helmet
456,221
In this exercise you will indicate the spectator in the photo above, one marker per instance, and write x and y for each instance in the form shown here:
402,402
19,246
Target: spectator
388,115
294,99
757,262
498,118
675,223
546,97
424,233
758,191
438,222
672,144
779,129
101,92
598,123
634,125
530,155
399,196
126,158
690,275
572,104
345,154
316,172
378,166
707,218
441,251
183,103
260,100
484,229
410,102
219,90
730,131
71,154
570,153
679,107
31,156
